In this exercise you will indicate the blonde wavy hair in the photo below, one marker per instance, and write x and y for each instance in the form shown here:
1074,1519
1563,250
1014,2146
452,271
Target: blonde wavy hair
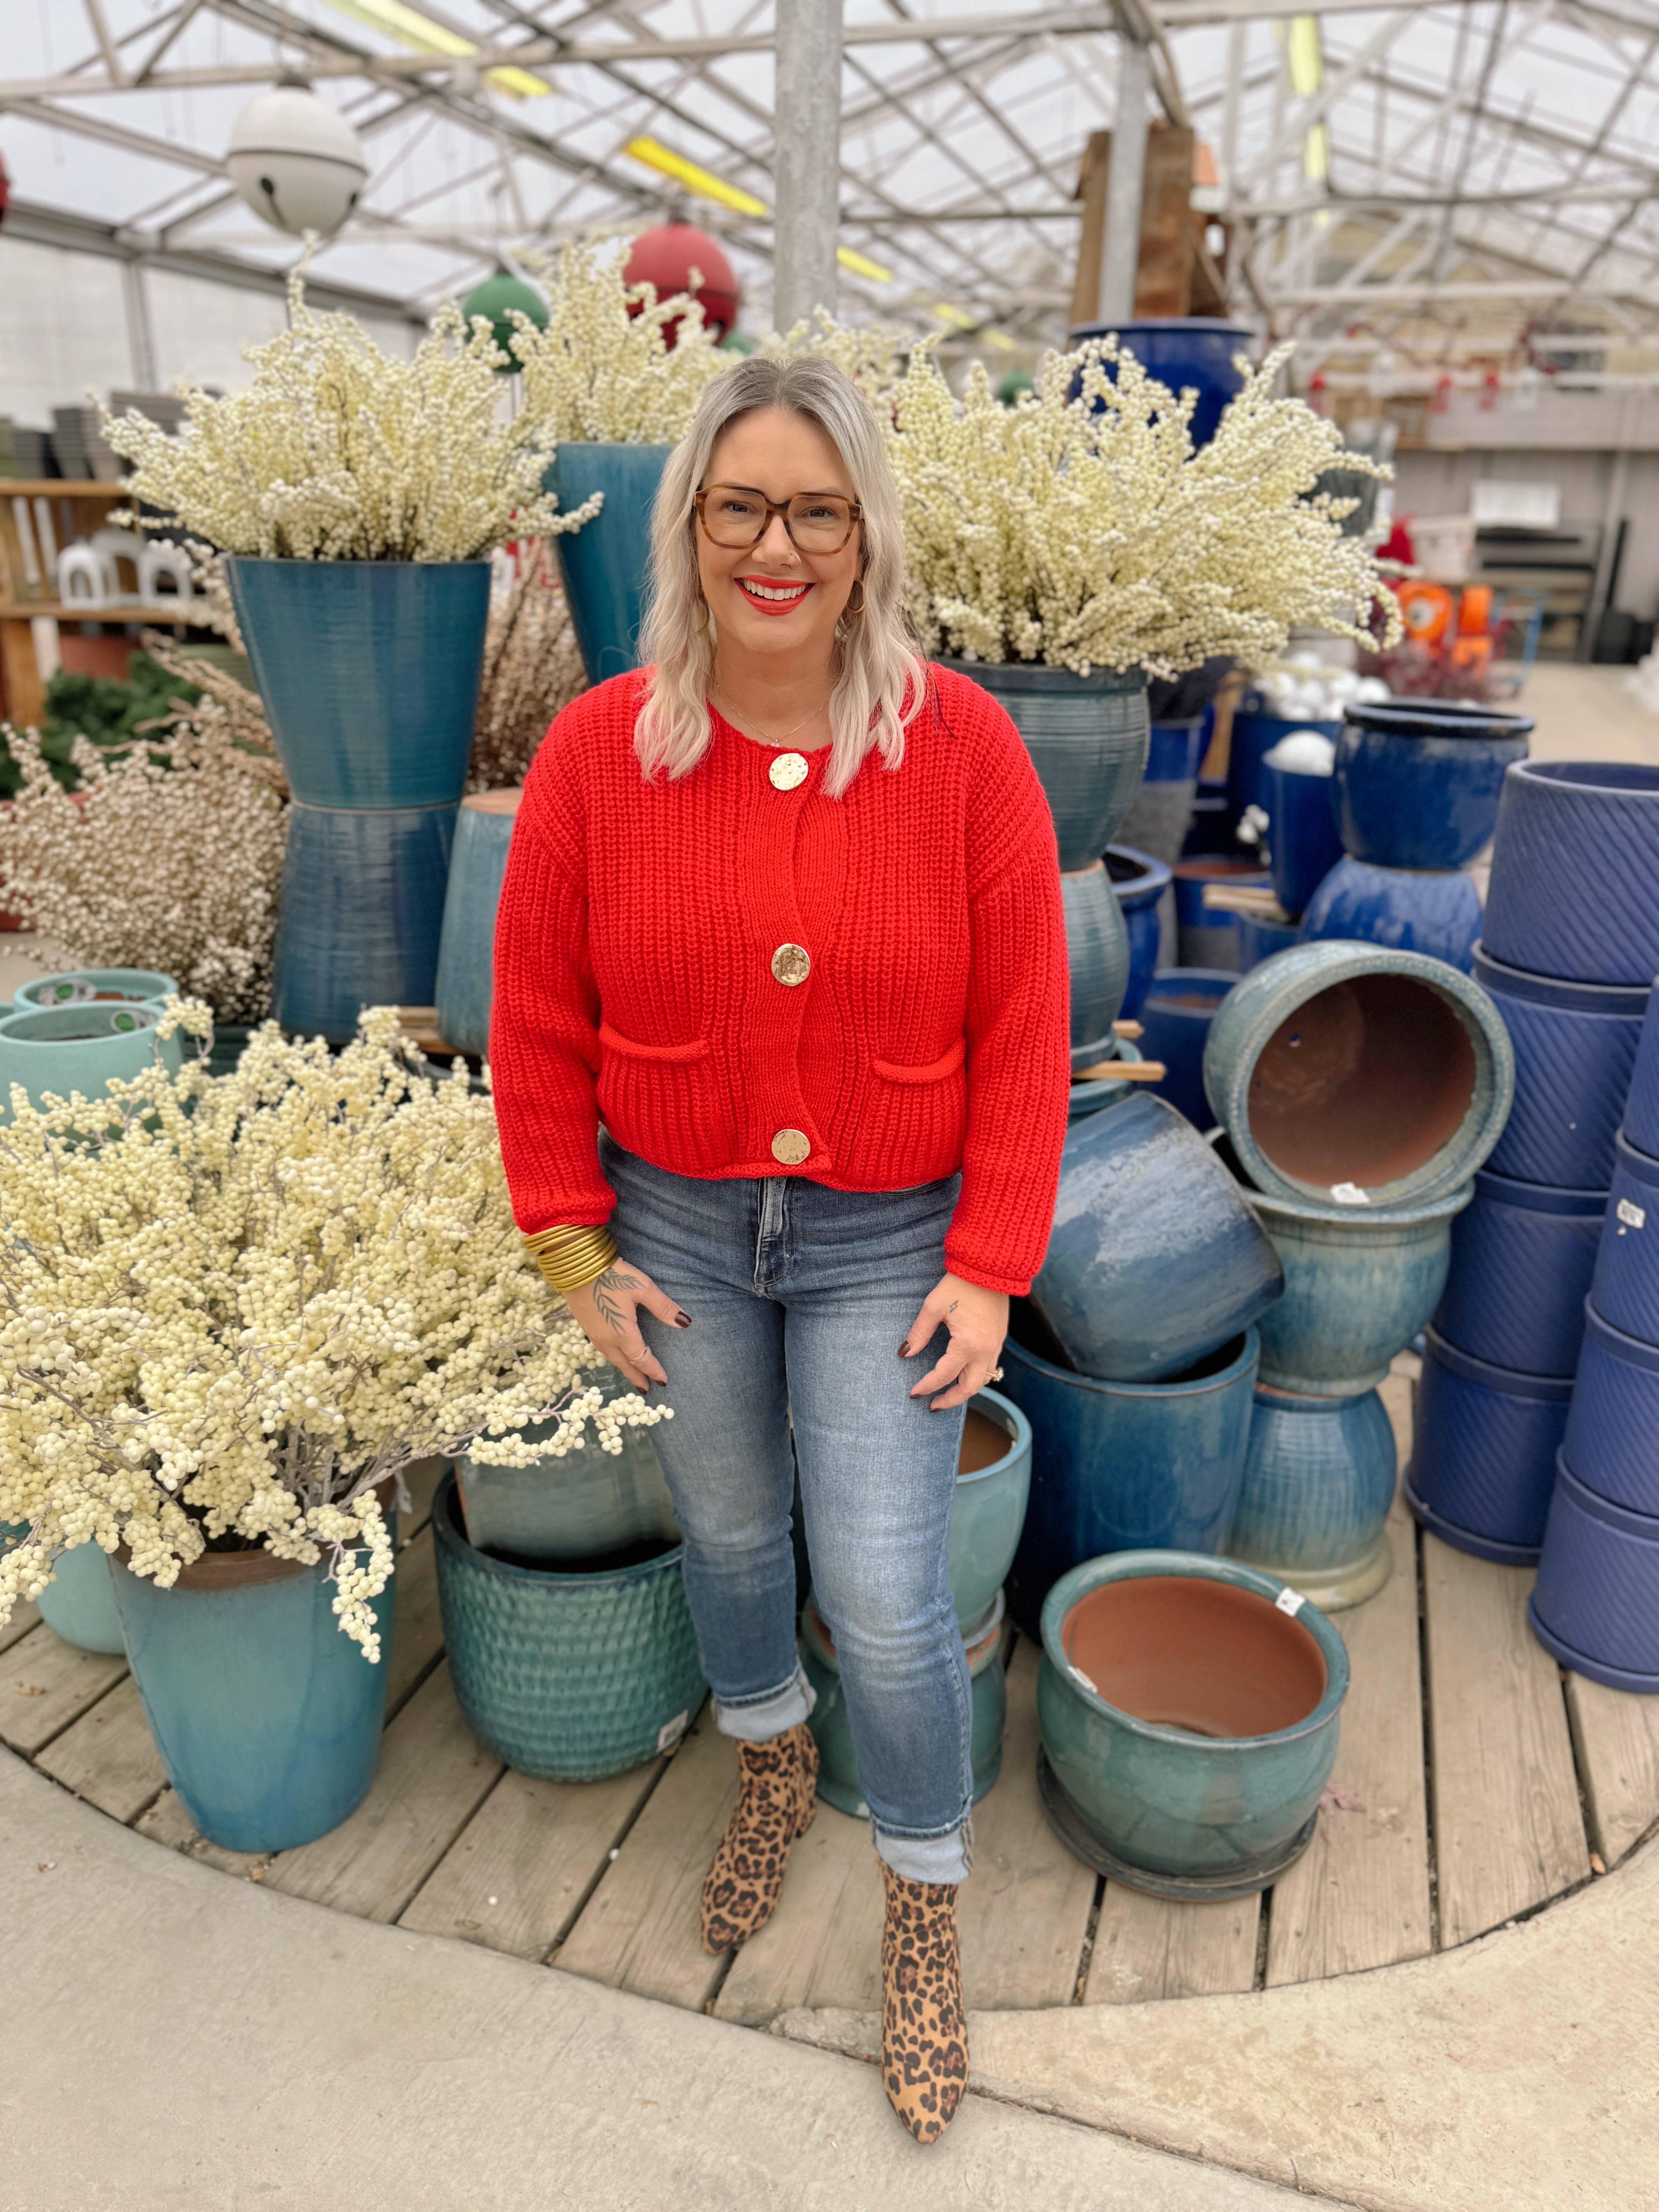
882,679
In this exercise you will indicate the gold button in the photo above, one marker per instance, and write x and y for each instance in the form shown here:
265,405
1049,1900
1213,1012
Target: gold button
791,963
787,772
791,1146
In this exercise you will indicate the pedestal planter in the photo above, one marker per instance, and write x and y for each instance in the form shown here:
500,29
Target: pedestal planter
1254,737
1138,882
604,564
587,1505
362,904
1431,912
1483,1460
1575,1050
1418,781
1612,1441
993,1482
1575,872
1520,1263
1595,1604
1119,1466
81,1048
1189,1721
567,1675
1087,739
1625,1286
78,985
1642,1101
466,950
1155,1259
1319,1479
1303,842
1208,936
79,1603
1162,809
1349,1070
1097,958
1176,1018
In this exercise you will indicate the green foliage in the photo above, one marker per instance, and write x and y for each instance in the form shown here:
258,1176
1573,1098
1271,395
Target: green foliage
105,710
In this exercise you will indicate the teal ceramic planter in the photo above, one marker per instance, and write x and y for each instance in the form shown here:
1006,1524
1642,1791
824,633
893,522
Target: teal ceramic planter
1096,961
81,1047
584,1506
79,1603
605,563
1089,1094
994,1483
1319,1479
77,985
466,950
362,908
1189,1721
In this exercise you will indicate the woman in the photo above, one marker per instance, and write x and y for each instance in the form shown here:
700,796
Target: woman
782,913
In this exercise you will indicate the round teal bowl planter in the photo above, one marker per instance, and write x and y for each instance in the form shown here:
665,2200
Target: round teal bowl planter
604,563
988,1509
79,1603
466,951
369,673
64,1049
361,911
832,1729
1189,1721
1096,959
569,1676
1354,1072
1319,1479
584,1506
78,985
266,1715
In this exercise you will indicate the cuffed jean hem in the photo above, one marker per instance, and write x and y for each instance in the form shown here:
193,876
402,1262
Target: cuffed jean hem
757,1720
927,1858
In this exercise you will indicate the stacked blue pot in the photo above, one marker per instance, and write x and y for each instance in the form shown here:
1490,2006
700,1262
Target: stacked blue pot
466,948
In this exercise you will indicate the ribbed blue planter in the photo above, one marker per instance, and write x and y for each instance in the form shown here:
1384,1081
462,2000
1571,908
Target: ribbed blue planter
1625,1286
1575,872
369,673
1096,960
1343,1069
80,984
1189,1721
1138,882
1431,911
1207,937
1176,1016
567,1675
584,1506
466,950
1087,739
988,1509
1319,1479
1183,352
1520,1263
1612,1441
1641,1100
1260,940
79,1603
1418,781
1595,1604
1483,1458
361,915
604,563
266,1715
1121,1467
1303,842
1155,1258
1254,736
1575,1048
64,1049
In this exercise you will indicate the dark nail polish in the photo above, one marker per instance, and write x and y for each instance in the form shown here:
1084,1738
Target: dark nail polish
682,1321
904,1349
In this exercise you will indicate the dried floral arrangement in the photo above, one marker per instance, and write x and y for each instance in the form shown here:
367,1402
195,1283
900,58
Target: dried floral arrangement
531,667
874,354
247,1301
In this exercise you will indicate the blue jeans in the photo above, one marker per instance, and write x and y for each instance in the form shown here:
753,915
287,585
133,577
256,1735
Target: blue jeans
799,1298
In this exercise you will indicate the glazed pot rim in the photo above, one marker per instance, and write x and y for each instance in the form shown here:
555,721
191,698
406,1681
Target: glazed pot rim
1281,1401
1207,325
1455,718
1020,1437
1575,776
297,561
1250,1356
1547,1390
1619,1342
1645,1527
1538,1197
1634,1161
1042,675
1155,876
450,1538
1202,866
1079,1581
1190,978
1561,990
146,1015
1360,1216
1192,723
1318,723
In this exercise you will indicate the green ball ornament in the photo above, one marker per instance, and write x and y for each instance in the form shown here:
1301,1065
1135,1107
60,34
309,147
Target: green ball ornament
495,298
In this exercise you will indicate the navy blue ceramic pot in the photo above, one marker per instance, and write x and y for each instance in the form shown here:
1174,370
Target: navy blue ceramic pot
1210,830
1087,739
1184,353
1255,735
1139,881
1641,1100
1522,1259
1612,1441
1482,1459
1432,911
603,563
1260,940
1575,1048
1319,1479
1575,872
1418,781
1096,960
1595,1604
1207,937
361,915
1121,1467
1176,1016
1155,1258
1304,845
369,673
1625,1282
466,950
1173,750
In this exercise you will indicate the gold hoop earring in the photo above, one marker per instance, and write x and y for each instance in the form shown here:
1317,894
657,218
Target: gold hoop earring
854,606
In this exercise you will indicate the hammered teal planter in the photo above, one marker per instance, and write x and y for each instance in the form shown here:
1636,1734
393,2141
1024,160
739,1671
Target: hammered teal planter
567,1675
584,1506
466,982
1087,736
78,985
362,914
79,1603
604,563
64,1049
993,1482
1319,1479
1096,961
1189,1721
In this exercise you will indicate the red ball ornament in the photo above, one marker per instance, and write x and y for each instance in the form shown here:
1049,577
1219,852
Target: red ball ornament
665,258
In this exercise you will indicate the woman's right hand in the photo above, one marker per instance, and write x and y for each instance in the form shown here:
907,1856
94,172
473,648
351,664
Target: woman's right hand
607,1310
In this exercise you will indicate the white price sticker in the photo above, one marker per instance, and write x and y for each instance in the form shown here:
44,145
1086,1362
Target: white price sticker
670,1731
1350,1194
1290,1601
1080,1676
1633,1216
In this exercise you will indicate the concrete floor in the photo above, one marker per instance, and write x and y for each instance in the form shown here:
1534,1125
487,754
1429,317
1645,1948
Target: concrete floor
1587,714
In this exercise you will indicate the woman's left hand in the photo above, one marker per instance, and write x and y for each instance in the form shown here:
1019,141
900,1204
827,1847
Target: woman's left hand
977,1320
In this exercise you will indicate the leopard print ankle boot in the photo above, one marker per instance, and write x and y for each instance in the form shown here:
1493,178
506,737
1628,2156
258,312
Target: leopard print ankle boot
775,1804
924,2028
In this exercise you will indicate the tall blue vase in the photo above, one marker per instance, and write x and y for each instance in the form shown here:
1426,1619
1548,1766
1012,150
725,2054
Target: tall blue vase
605,563
466,952
362,914
1303,842
1255,735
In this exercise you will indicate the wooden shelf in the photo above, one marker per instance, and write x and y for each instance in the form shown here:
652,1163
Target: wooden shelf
59,488
166,610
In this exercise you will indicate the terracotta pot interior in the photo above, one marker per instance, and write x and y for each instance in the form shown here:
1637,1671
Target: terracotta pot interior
1206,1657
984,1442
1363,1083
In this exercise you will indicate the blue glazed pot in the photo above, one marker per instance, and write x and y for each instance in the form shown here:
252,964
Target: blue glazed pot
1173,750
1641,1100
79,1603
604,563
361,916
1207,937
1418,781
584,1506
369,673
1612,1440
1184,353
466,951
81,984
81,1048
1261,940
1520,1263
1431,911
1575,872
1087,739
1482,1459
1119,1466
1337,1068
994,1483
1210,830
1176,1018
1304,845
1096,960
1155,1258
1595,1604
567,1675
1625,1286
1254,736
1319,1479
1574,1049
266,1715
1189,1724
1139,881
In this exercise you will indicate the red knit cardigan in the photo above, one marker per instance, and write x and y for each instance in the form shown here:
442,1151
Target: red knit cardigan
635,982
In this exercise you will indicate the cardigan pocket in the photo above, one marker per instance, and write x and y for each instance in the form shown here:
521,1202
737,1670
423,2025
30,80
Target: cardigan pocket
924,1108
662,1101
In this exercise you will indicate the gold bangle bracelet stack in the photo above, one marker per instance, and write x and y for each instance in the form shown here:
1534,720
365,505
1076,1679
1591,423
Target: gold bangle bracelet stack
569,1259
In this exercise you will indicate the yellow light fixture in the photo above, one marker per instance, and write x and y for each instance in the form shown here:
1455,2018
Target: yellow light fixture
958,318
694,177
861,266
1316,153
1000,340
1307,62
418,31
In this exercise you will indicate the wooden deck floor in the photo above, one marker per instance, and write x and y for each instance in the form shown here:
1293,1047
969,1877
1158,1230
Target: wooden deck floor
1475,1782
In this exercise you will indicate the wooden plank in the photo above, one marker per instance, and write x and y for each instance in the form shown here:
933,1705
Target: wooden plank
432,1776
1617,1739
109,1756
524,1866
639,1931
168,1822
417,1632
1146,1947
44,1684
24,1617
420,1478
823,1945
1508,1832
